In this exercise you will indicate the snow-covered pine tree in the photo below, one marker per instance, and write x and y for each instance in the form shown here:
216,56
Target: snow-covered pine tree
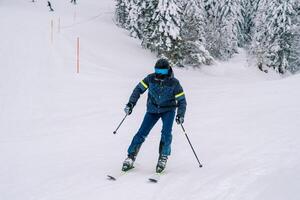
139,16
211,25
211,8
228,16
270,26
133,19
240,22
274,34
247,24
121,13
294,59
148,10
162,34
222,27
259,44
192,34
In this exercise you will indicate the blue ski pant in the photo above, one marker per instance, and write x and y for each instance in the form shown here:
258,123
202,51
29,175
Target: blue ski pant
149,121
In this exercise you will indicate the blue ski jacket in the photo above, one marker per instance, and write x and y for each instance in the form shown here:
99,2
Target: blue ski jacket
163,94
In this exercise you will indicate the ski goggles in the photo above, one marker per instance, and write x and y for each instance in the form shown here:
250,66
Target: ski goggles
161,71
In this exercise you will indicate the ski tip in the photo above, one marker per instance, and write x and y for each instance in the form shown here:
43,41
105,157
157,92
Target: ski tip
152,180
109,177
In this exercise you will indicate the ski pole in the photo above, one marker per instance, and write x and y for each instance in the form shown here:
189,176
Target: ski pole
120,124
200,165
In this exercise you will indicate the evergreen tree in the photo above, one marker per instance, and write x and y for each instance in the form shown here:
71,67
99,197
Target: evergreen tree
148,8
163,31
274,34
139,16
134,19
259,41
211,7
211,25
228,16
121,12
221,27
192,33
247,24
294,59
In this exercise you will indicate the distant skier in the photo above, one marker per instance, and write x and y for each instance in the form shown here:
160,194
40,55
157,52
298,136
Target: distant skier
73,1
49,5
165,94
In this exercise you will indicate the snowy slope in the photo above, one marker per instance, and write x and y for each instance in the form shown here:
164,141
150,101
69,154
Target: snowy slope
56,126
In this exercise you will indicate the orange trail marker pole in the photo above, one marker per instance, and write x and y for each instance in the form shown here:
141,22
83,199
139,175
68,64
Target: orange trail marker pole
74,16
59,25
77,55
52,31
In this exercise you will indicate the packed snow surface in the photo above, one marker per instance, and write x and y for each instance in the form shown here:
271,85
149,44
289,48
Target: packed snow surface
56,125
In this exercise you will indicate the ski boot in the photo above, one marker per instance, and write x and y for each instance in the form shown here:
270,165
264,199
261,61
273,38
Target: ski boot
128,163
161,164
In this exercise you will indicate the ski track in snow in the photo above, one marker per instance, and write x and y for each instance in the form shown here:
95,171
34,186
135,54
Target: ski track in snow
56,140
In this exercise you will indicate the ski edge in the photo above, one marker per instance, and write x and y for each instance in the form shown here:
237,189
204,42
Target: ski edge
152,180
111,178
120,174
155,178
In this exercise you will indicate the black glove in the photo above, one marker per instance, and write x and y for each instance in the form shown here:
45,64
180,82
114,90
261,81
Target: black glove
179,119
128,108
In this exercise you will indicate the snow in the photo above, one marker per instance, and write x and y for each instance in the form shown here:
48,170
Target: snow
56,126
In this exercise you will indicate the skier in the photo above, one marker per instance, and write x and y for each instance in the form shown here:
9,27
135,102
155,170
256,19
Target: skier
49,5
165,94
73,1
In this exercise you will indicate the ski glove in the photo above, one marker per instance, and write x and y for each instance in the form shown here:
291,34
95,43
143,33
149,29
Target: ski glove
179,119
128,108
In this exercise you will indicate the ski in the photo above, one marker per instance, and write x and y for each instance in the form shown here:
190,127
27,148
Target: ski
155,178
118,175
